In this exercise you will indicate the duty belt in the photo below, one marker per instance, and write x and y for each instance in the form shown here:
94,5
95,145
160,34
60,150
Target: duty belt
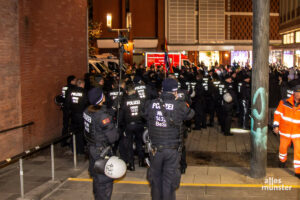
161,147
135,123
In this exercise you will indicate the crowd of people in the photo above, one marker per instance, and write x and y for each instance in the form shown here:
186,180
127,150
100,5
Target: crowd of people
164,103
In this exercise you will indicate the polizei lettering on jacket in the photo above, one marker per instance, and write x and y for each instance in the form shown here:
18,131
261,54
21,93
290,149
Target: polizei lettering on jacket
132,103
76,96
160,121
87,122
168,106
134,108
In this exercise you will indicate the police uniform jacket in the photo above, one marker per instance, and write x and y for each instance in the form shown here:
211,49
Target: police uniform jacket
164,118
246,91
229,89
100,130
65,93
77,100
141,90
131,110
183,95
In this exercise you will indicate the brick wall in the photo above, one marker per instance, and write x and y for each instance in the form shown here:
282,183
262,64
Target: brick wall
241,28
53,45
10,90
246,6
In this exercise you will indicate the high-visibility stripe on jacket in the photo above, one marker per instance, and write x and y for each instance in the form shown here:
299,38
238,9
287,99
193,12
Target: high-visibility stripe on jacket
287,118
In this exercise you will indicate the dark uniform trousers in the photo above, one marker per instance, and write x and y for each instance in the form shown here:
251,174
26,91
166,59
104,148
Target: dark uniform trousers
164,174
78,128
65,128
102,185
134,132
210,110
218,109
200,115
184,135
227,117
245,114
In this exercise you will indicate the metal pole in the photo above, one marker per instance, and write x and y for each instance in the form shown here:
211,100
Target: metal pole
74,151
21,178
52,162
260,88
121,49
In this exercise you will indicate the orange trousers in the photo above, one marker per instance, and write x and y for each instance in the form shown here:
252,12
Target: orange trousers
285,143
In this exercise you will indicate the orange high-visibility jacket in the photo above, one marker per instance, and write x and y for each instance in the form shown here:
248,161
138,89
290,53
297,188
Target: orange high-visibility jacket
287,118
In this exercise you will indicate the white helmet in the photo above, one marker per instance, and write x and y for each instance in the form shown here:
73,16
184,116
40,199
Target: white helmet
227,97
115,168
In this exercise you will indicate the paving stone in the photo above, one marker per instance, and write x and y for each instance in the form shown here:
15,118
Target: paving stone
207,179
196,170
187,178
71,195
77,185
133,188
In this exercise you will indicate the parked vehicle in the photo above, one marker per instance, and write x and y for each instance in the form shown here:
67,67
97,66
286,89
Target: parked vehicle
158,58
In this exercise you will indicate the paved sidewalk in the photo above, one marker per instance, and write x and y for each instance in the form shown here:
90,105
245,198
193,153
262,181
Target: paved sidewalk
218,168
37,171
199,182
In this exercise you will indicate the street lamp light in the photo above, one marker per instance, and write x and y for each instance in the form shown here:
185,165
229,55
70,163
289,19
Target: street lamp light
128,21
108,20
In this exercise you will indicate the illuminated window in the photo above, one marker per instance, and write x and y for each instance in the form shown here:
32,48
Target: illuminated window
285,39
298,37
288,38
291,38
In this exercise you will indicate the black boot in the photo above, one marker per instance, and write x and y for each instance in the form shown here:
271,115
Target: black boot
297,175
182,170
131,167
281,164
142,163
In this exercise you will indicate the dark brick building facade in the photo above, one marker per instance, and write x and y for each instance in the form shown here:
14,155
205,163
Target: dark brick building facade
42,42
213,27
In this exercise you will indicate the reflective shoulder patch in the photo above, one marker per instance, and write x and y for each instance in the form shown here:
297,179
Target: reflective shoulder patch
105,121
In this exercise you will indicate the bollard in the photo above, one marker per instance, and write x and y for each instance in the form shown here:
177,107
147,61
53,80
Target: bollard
21,178
74,151
52,161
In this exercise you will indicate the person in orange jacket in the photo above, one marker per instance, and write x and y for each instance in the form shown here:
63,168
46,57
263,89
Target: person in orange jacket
287,125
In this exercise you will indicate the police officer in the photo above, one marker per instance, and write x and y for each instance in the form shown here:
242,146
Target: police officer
209,103
245,98
71,83
183,96
151,87
216,96
100,132
198,104
139,87
77,101
114,95
131,121
164,117
227,105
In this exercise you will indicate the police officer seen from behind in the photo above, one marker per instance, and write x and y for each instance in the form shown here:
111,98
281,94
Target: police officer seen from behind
131,121
140,87
227,106
183,95
199,104
100,132
164,117
77,101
